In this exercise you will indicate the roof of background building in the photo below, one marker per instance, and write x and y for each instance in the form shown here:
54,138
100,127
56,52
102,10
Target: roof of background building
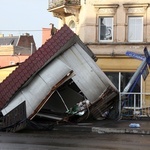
22,40
9,40
34,63
25,41
23,44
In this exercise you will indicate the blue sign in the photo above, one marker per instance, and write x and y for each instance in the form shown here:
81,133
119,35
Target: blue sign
134,55
147,55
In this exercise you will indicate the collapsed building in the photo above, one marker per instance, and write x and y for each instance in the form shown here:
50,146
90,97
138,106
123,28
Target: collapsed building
60,81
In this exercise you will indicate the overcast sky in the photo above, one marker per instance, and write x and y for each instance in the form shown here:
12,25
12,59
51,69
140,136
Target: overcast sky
25,16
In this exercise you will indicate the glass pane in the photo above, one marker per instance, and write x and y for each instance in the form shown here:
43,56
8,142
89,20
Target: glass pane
130,98
106,28
135,29
125,78
114,78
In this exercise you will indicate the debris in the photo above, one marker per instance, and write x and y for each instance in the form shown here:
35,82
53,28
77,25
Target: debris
60,82
134,125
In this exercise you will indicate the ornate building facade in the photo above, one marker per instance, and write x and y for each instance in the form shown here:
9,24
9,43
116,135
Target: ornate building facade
111,28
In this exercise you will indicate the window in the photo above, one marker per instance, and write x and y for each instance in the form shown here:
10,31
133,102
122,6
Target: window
114,78
135,29
106,29
120,80
72,25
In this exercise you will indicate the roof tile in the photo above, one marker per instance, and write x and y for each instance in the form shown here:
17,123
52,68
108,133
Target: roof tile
31,65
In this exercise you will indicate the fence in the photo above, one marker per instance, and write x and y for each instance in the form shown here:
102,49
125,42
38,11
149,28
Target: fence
134,105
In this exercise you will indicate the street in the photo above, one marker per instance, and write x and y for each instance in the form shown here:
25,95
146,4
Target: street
66,140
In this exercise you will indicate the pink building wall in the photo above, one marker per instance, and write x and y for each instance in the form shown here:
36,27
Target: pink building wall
6,60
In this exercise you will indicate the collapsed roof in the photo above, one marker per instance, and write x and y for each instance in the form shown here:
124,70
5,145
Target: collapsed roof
60,80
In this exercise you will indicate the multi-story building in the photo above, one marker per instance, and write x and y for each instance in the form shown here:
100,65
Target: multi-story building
110,28
17,45
14,50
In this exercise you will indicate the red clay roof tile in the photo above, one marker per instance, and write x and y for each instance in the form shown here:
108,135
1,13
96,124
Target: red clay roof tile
31,65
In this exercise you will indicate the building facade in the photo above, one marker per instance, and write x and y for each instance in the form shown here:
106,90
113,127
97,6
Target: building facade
14,50
110,28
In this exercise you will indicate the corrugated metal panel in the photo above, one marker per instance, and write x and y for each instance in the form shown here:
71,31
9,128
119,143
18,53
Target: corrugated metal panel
94,66
92,82
36,90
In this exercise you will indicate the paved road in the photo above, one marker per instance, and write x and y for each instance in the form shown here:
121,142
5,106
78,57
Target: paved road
61,140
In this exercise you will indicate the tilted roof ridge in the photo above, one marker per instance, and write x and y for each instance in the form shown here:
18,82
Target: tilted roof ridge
31,65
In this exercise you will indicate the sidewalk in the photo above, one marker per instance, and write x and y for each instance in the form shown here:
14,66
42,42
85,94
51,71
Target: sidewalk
109,126
122,126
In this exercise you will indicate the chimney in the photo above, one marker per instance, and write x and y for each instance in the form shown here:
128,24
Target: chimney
27,34
10,35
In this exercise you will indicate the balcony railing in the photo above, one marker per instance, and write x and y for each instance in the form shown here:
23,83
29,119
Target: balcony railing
58,3
135,106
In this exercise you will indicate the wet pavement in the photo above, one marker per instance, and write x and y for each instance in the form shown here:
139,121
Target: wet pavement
70,140
111,126
80,136
123,127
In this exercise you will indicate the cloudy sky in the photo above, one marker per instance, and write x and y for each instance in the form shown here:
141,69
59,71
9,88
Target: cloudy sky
25,16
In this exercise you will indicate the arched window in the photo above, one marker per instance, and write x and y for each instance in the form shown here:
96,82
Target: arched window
72,25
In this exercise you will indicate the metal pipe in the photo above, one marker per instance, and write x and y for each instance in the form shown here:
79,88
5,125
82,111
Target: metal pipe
31,48
135,76
62,100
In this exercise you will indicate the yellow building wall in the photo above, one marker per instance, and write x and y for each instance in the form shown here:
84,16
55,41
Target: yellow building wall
117,64
5,72
125,64
146,89
6,50
147,84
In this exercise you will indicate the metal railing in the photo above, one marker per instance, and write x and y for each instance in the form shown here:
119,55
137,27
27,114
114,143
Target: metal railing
58,3
134,105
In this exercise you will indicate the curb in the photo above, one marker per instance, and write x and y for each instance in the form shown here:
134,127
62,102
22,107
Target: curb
74,128
101,130
120,131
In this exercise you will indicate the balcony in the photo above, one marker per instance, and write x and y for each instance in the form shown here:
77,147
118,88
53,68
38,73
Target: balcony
59,3
64,8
